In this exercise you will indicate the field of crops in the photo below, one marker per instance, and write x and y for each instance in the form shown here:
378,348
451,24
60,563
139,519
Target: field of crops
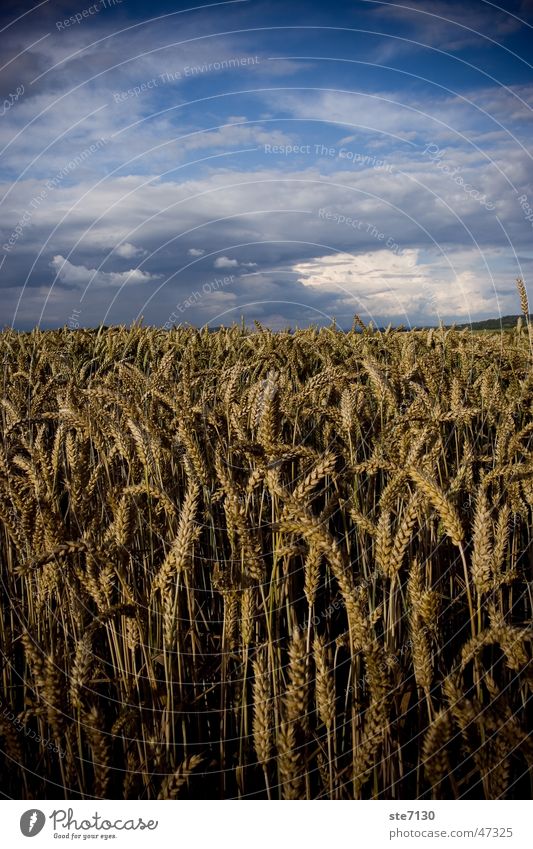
266,565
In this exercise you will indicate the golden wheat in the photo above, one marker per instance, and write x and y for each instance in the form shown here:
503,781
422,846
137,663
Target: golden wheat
272,565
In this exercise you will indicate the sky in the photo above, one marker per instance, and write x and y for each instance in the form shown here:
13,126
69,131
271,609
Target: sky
293,163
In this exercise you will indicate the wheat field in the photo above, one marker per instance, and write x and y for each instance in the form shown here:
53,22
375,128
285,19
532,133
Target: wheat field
266,565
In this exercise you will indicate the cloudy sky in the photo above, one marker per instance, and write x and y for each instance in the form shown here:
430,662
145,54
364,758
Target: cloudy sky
291,162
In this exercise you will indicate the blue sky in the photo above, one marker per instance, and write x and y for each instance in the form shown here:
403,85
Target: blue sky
286,162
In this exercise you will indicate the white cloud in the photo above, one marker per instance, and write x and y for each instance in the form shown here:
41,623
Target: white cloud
225,262
400,114
242,134
196,252
128,251
402,285
79,275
